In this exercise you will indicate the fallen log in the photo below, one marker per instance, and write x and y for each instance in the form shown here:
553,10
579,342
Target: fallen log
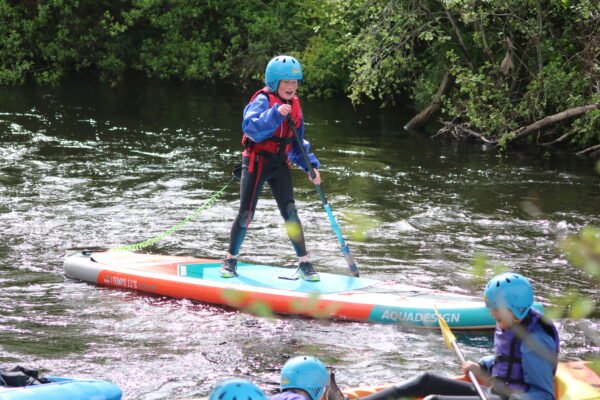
422,118
553,119
525,130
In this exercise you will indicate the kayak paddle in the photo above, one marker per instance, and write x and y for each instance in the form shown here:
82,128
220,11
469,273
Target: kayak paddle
336,229
450,341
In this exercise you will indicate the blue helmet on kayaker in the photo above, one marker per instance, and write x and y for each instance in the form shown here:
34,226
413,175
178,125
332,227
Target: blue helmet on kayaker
240,389
282,68
509,290
306,373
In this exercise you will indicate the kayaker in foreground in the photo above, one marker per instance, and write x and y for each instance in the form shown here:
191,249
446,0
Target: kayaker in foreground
525,356
236,389
303,378
270,148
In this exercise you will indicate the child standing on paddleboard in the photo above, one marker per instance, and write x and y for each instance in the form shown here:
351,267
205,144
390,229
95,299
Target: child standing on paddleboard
270,146
525,353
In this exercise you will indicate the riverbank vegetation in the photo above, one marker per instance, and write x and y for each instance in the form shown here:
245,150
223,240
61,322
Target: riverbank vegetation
501,71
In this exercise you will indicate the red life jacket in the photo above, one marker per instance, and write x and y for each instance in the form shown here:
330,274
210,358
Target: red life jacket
280,143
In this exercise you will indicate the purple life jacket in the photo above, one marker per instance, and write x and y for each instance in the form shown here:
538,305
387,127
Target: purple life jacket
288,395
507,366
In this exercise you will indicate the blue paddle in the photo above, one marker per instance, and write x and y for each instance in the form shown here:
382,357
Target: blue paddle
336,228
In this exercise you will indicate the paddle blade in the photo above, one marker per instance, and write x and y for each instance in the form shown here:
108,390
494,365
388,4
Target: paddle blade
446,332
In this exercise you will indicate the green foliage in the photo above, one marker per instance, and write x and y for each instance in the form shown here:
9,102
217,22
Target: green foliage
325,66
512,65
482,99
168,39
382,53
586,129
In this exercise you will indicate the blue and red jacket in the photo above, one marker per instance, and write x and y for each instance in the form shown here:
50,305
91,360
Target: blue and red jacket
526,362
267,131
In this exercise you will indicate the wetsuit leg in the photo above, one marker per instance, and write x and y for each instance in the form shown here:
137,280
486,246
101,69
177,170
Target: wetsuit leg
251,185
424,385
282,188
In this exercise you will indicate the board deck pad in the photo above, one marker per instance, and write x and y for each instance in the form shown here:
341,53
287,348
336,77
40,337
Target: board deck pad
275,278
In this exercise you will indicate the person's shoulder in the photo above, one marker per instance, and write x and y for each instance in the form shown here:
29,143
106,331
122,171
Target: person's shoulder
540,335
260,96
258,102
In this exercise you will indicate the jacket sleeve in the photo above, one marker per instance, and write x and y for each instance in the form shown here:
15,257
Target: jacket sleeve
261,121
539,361
296,156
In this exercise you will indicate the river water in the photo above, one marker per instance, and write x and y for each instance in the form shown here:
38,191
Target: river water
85,166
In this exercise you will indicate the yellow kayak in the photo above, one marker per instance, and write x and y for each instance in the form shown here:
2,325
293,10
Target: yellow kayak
574,381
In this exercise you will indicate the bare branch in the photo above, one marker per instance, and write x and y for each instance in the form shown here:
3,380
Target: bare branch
560,139
552,119
592,149
459,37
477,135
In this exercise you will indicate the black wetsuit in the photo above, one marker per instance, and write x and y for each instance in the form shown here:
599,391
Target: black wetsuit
277,174
433,387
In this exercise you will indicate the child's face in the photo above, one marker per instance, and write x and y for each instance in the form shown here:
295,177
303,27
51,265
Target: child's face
287,89
504,318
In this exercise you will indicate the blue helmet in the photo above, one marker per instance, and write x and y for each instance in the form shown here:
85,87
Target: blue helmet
237,389
306,373
509,290
282,68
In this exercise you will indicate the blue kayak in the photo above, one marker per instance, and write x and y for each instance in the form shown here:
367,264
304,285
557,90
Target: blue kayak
64,389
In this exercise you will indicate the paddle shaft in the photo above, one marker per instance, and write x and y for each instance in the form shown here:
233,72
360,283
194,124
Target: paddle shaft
470,374
336,228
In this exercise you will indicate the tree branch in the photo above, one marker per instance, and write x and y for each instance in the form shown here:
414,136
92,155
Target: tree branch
455,127
552,119
459,37
538,41
477,135
560,139
422,118
589,150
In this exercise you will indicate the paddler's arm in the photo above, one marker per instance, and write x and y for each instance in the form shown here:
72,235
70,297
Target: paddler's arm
486,362
260,121
296,154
